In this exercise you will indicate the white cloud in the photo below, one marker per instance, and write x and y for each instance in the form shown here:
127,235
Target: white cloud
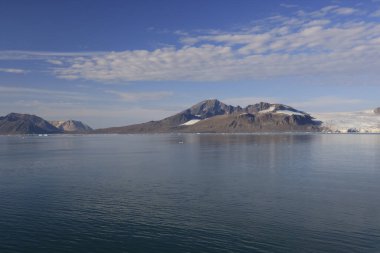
43,55
345,11
310,43
55,62
13,71
331,10
141,96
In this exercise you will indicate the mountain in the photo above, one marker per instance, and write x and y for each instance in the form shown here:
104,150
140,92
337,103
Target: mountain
71,126
15,123
213,116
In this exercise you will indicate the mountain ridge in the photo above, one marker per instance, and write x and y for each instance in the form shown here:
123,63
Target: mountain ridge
21,123
212,116
215,116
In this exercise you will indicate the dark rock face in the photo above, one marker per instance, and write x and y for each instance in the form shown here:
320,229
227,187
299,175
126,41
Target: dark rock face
352,130
210,108
15,123
257,107
377,110
217,117
246,123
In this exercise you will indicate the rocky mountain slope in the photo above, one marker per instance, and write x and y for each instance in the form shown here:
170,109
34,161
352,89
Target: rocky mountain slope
377,110
71,126
213,116
15,123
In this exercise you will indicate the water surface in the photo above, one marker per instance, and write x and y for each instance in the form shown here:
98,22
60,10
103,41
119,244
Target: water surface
211,193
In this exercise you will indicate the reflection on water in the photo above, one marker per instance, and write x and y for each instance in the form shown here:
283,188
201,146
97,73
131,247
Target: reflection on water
190,193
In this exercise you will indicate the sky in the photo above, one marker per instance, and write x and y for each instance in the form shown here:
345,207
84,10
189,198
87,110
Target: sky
113,63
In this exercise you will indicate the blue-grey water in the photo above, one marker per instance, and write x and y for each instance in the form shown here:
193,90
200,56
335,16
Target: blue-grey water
190,193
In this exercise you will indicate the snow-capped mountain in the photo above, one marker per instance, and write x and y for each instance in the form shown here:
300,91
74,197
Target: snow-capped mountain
215,116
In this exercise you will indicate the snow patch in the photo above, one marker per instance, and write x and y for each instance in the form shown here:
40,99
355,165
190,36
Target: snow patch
270,109
190,122
287,112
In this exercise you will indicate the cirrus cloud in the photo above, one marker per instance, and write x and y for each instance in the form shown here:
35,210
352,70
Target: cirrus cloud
13,70
306,43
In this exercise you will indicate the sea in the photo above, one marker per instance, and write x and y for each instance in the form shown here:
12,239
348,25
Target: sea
190,193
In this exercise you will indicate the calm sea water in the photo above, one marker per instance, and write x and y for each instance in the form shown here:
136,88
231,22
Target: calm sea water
211,193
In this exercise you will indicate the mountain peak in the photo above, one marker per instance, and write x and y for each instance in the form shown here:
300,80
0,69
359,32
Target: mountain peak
208,102
71,126
17,123
15,115
377,110
211,107
211,100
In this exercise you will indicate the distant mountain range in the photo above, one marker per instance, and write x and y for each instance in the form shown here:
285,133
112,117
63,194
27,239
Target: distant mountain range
16,123
212,116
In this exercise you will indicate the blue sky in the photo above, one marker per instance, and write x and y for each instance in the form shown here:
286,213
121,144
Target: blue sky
112,63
